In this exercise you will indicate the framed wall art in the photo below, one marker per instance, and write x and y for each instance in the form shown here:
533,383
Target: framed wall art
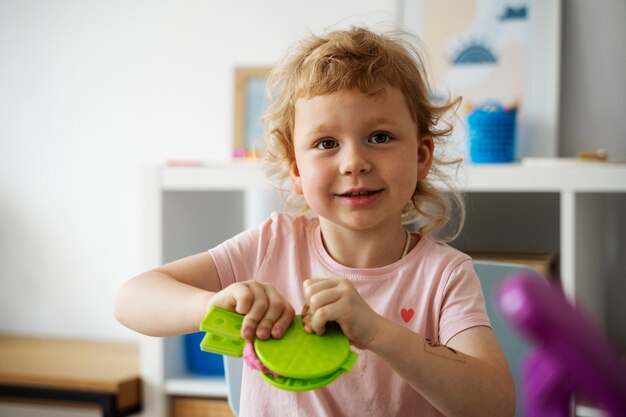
505,51
250,103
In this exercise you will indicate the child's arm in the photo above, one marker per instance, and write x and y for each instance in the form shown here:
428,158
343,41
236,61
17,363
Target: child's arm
468,377
173,299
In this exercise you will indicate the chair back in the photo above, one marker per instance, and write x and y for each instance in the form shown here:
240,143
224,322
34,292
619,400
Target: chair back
233,369
514,345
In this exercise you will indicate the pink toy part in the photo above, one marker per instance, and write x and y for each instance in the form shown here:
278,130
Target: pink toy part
253,362
574,355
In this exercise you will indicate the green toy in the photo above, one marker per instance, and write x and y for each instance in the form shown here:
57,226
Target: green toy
304,361
223,333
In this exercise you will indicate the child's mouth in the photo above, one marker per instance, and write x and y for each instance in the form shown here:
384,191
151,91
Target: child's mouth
360,198
359,193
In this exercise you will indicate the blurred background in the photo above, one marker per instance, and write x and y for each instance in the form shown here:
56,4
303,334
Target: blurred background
92,92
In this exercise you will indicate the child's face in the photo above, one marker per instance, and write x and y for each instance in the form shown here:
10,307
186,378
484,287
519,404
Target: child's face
358,157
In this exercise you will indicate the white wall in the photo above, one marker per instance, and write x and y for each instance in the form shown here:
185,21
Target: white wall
90,93
93,91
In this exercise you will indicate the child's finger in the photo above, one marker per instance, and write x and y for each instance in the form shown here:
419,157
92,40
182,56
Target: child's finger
305,310
275,309
312,288
283,322
315,285
312,285
256,312
322,316
323,298
306,318
240,298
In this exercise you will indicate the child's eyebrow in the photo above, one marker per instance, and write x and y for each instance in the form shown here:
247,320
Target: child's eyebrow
315,130
372,123
381,120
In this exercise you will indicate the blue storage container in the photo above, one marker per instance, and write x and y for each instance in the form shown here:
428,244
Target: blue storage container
492,133
200,362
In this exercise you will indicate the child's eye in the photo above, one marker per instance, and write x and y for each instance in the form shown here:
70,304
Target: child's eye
326,144
380,138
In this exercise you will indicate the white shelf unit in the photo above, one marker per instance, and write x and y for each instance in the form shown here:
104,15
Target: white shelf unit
574,210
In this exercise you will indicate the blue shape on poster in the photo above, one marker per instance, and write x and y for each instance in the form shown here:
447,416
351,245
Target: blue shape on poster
515,13
475,54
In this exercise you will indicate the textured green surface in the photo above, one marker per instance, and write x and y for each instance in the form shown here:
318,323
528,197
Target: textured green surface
306,361
306,384
299,354
223,333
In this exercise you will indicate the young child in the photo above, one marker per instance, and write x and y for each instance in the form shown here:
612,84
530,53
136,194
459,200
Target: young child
351,133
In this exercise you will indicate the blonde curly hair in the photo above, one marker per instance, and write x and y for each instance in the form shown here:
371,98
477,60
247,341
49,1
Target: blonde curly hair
359,58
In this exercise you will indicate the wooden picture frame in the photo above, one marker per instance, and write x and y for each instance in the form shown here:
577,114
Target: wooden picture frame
250,102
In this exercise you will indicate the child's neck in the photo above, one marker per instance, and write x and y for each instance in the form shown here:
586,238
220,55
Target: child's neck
366,249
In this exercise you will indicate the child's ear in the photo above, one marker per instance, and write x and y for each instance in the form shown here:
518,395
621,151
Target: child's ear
296,181
425,151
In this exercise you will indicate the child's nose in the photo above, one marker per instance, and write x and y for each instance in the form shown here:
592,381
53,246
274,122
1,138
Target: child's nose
355,162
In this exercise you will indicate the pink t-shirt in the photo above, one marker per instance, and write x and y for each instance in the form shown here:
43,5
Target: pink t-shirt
433,291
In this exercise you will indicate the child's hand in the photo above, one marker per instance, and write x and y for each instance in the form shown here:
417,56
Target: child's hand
266,312
336,299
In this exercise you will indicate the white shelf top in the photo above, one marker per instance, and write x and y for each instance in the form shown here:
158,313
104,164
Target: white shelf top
582,177
227,176
197,386
544,177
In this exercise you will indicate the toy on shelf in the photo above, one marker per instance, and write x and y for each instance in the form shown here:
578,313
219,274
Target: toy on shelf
491,128
248,155
573,356
299,361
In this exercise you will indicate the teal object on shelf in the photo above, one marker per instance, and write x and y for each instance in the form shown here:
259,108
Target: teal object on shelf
199,362
492,133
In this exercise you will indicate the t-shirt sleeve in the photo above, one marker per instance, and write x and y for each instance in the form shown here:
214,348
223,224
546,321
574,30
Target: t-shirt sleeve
240,257
463,303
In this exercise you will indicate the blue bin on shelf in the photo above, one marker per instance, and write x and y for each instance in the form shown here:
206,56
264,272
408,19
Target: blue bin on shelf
200,362
492,133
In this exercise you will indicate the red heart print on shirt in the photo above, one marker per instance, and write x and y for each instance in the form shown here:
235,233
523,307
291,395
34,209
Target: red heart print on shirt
407,314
